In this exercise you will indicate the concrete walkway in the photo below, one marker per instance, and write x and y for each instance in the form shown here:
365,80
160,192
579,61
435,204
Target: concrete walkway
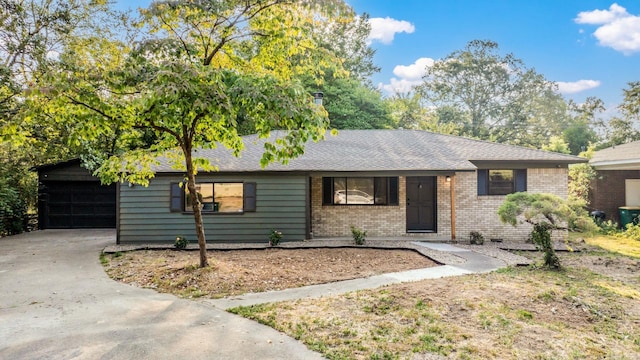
475,263
58,303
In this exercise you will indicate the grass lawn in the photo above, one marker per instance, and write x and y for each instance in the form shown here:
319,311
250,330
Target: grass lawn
620,245
590,310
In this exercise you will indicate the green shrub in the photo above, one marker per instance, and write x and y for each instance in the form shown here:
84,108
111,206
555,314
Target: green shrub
275,237
476,238
608,227
541,236
13,210
632,232
181,242
358,235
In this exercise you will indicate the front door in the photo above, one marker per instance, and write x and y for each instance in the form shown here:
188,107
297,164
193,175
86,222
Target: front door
421,204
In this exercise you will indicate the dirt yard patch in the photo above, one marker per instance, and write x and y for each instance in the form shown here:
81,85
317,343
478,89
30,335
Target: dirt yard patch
242,271
591,310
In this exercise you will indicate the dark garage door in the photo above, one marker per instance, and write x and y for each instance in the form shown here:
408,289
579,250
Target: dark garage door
78,204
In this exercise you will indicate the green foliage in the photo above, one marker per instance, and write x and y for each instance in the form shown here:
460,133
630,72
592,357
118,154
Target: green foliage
557,144
579,133
608,227
12,210
620,131
580,177
202,73
535,208
275,237
358,235
181,242
631,102
352,105
546,212
495,96
541,237
476,238
632,231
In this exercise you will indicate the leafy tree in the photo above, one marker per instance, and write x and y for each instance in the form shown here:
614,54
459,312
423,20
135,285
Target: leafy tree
546,212
497,97
352,105
580,177
631,102
32,33
557,144
407,112
200,70
579,133
619,131
346,37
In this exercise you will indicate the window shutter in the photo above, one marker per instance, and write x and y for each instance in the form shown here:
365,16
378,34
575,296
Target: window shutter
483,181
249,197
521,180
327,192
393,191
177,198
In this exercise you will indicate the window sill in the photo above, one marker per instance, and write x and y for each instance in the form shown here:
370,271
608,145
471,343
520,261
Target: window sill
210,213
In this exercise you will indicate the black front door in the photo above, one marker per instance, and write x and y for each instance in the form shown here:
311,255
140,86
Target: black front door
421,204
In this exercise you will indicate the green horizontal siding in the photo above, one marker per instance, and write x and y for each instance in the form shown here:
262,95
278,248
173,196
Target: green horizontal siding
280,204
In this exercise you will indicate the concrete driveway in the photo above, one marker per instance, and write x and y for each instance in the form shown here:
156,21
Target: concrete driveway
57,303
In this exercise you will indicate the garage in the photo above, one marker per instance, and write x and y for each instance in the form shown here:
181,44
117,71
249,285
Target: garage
69,197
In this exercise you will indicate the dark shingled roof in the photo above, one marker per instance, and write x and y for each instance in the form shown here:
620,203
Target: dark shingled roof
380,150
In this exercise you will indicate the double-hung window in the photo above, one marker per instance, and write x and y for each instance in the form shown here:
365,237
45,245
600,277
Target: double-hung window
360,191
501,181
215,197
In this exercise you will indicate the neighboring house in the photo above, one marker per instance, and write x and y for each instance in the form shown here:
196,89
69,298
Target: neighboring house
391,183
617,183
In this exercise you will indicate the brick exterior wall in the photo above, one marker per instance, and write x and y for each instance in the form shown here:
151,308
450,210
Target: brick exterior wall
473,212
608,191
479,213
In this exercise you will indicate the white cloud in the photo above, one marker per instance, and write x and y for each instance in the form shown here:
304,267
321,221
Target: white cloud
414,71
597,17
384,29
577,86
618,29
408,76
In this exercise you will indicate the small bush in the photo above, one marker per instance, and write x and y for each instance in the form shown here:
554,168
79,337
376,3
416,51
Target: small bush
608,227
358,235
275,237
181,242
632,232
476,238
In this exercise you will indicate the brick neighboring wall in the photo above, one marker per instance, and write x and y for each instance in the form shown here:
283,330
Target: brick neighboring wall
473,212
608,191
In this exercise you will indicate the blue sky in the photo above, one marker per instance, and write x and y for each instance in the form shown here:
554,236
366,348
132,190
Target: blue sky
589,47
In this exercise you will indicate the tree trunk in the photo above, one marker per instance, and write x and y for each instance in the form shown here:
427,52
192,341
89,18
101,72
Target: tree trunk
197,209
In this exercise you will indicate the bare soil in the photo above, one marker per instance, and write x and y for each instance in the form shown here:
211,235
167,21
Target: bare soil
590,310
235,272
